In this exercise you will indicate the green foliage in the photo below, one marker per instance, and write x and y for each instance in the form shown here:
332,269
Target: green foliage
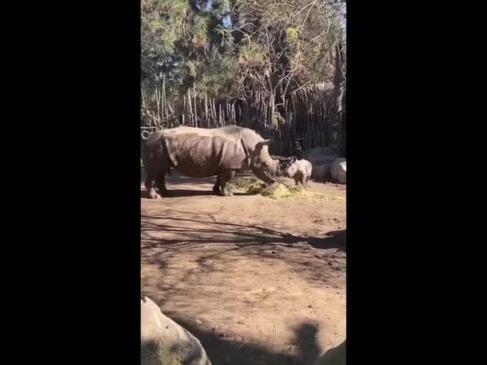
199,31
292,34
271,46
252,55
218,77
185,44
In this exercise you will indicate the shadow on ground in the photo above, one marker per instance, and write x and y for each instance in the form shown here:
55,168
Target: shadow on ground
333,239
176,181
303,349
318,260
166,236
178,193
245,235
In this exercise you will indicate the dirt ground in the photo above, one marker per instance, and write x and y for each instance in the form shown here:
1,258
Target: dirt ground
257,280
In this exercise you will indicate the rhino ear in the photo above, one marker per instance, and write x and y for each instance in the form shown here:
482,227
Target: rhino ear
261,144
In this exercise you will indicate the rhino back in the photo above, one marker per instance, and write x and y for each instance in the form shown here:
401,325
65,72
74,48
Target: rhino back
198,154
249,137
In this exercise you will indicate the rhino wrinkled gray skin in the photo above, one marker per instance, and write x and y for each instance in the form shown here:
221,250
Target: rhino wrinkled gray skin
201,152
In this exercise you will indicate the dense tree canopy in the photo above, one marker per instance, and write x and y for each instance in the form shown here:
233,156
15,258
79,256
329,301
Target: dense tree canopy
183,44
236,49
228,47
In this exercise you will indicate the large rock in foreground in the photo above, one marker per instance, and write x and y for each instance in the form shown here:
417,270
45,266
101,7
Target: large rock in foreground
335,356
164,342
339,170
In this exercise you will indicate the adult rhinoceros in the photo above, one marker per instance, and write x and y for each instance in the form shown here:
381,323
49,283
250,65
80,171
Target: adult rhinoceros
200,152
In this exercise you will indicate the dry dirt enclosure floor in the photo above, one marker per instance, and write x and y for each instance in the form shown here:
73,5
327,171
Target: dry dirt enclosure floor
257,280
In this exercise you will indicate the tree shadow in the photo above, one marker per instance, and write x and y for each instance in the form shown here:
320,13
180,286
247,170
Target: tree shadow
333,239
245,234
224,349
318,260
307,257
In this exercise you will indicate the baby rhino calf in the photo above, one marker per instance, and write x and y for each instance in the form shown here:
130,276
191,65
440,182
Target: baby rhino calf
299,170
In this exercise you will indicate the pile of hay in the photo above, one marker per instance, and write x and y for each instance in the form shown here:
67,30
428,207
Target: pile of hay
248,185
278,190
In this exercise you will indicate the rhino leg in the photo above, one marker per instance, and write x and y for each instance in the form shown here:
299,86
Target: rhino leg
161,184
154,181
150,186
223,179
148,183
216,187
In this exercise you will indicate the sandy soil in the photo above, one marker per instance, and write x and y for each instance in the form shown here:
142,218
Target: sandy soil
257,280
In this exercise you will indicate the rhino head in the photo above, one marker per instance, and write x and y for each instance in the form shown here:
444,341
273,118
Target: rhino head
262,164
288,167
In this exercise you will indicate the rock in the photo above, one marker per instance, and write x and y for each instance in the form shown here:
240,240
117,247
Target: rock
334,356
321,171
164,342
339,170
322,159
321,154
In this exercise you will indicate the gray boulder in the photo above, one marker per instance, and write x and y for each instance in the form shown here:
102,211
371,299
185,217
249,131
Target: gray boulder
321,158
335,356
164,342
339,170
